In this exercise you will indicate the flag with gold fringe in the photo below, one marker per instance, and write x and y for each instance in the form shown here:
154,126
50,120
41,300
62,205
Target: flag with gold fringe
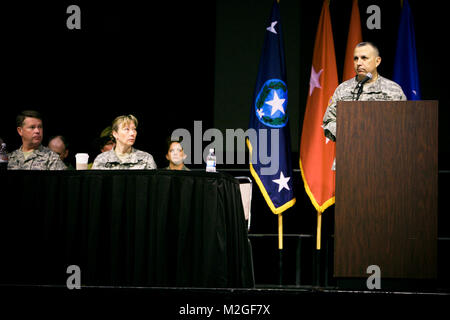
270,147
316,151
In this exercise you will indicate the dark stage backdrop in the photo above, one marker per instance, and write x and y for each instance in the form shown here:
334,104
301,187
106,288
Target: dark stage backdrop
151,59
173,62
240,29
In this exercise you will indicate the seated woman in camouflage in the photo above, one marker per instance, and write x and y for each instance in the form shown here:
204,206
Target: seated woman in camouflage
124,156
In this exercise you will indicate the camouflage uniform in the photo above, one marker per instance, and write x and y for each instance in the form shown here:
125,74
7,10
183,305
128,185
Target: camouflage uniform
40,159
381,89
183,169
137,160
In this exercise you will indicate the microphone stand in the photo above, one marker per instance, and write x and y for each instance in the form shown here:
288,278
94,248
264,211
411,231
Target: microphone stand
360,84
360,89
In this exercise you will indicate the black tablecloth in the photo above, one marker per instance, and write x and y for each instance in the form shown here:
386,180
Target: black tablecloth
128,228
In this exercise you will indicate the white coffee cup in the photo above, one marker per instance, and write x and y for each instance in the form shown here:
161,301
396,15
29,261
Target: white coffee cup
82,161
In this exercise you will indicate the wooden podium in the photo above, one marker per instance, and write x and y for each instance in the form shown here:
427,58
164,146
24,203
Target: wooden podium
386,189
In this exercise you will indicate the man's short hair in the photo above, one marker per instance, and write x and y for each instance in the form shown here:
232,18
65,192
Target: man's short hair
27,114
367,43
63,139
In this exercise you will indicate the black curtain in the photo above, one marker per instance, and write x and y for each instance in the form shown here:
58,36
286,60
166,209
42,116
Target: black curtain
124,228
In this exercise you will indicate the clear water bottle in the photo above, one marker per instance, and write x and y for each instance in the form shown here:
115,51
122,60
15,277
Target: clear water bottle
211,161
3,157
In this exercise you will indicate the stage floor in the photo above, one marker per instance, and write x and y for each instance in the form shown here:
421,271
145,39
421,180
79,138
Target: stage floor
217,303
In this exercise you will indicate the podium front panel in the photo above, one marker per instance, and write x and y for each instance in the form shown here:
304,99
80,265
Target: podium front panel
386,188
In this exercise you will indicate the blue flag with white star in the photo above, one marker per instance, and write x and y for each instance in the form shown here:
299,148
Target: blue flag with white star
270,143
405,66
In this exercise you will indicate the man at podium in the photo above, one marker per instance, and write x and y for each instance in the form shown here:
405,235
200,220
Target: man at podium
366,85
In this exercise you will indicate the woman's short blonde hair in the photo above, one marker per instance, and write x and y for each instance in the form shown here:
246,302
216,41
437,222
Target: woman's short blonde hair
123,119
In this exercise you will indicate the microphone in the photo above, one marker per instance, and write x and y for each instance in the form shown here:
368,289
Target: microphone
360,84
366,78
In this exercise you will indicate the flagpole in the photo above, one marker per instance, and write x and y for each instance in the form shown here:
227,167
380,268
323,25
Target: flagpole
319,229
272,79
280,231
316,155
280,247
318,246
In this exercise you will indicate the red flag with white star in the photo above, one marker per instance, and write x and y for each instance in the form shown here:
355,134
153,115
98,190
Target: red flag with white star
354,37
316,151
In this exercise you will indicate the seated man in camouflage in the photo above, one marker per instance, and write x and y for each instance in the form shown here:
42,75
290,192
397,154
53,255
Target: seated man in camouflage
123,155
60,145
366,59
32,155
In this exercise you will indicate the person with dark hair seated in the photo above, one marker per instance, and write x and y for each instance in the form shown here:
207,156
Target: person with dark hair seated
105,142
59,145
175,155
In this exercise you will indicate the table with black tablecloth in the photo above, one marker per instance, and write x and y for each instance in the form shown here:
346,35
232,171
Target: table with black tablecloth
123,228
